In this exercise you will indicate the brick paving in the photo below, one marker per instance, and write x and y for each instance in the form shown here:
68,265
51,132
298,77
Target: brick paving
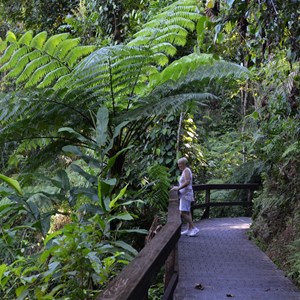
228,265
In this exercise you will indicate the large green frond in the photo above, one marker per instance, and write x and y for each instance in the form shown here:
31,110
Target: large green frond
171,26
203,66
26,38
14,58
64,47
53,42
31,67
77,53
9,51
22,63
31,57
40,73
52,76
109,72
39,40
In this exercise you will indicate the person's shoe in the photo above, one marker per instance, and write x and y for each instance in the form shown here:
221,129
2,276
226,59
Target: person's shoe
186,232
193,232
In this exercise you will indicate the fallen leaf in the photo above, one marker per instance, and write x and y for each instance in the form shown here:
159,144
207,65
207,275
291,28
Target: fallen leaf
199,286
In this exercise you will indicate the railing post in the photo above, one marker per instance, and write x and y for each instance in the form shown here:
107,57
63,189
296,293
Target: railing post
171,262
207,202
249,202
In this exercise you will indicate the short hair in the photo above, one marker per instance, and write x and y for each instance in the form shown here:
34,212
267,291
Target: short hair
183,160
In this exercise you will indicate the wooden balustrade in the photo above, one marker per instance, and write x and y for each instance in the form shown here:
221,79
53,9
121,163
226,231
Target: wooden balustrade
237,186
135,279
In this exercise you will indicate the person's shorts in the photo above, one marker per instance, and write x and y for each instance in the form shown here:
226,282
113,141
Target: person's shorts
185,205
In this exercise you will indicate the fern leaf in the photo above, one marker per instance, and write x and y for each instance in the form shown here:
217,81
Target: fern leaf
26,38
62,81
3,45
31,67
8,53
77,53
38,41
53,42
15,58
22,63
167,48
52,76
40,72
10,37
64,47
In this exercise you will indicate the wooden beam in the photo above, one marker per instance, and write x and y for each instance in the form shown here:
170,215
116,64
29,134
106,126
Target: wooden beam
226,186
135,279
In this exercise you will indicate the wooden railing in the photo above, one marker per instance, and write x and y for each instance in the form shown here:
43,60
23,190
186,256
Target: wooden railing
208,187
135,279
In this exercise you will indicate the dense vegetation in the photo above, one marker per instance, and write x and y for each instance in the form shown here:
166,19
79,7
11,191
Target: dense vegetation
99,99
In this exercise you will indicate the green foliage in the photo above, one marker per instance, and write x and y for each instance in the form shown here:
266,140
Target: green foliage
159,181
294,261
167,29
39,61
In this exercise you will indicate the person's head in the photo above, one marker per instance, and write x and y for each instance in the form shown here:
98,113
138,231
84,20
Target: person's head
182,163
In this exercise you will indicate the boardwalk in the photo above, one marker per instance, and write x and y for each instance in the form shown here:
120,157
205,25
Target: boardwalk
228,265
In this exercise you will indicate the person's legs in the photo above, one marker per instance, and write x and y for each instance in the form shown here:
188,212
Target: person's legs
185,208
186,215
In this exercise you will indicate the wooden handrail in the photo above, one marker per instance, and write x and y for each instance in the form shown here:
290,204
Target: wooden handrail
135,279
226,186
223,186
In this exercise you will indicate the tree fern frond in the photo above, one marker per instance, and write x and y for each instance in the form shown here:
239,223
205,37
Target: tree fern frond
159,103
167,48
53,42
160,58
52,76
40,72
116,64
10,37
15,58
3,45
9,51
22,63
31,67
64,47
38,41
77,53
207,67
171,26
62,82
26,38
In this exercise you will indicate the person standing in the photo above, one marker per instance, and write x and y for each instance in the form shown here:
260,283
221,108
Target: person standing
186,196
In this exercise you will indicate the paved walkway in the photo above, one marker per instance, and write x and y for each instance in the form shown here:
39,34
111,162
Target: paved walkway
222,261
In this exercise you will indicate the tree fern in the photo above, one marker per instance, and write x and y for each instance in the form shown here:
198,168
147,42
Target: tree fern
169,27
31,58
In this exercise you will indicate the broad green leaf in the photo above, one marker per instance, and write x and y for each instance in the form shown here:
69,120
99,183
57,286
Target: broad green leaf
102,126
125,246
2,271
120,195
51,236
210,3
13,183
121,216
